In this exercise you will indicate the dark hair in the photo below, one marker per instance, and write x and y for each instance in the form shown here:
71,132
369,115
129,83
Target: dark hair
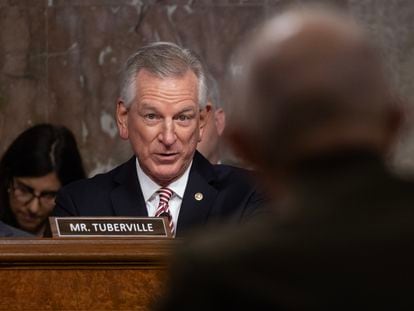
36,152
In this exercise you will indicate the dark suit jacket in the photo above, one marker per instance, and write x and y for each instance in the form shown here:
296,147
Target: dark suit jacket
228,195
346,243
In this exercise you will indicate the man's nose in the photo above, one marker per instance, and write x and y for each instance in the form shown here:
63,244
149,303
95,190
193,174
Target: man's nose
168,136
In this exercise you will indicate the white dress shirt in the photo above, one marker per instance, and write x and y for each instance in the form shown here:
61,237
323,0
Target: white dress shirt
149,190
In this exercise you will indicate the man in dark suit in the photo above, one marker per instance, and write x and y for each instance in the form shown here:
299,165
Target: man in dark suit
319,120
162,112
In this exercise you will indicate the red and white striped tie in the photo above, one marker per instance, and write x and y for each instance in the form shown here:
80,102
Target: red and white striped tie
163,208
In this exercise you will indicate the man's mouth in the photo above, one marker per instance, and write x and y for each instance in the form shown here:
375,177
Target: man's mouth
167,156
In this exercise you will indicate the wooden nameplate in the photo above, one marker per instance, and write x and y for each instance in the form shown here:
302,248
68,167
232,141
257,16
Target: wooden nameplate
111,227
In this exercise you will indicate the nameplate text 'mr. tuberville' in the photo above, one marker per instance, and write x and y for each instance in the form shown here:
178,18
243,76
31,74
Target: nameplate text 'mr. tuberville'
151,227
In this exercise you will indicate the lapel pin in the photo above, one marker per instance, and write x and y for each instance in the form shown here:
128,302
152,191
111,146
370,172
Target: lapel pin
198,196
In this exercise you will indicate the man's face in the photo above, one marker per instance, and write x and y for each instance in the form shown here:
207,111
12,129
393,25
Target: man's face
163,124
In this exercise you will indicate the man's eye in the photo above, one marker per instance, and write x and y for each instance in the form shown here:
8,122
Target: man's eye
151,116
183,118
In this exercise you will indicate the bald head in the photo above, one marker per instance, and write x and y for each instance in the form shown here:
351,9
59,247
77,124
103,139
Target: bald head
314,84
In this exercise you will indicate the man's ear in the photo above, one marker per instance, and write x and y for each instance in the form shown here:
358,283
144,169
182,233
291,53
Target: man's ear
122,119
205,114
220,120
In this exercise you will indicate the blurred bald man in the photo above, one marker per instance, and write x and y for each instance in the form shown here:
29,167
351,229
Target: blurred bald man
319,120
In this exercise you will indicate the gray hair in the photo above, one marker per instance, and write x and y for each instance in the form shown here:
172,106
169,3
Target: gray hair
163,59
213,93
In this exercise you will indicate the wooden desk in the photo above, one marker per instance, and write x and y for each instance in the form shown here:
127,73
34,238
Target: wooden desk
81,274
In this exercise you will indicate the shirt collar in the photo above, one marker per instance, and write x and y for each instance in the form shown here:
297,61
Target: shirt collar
149,187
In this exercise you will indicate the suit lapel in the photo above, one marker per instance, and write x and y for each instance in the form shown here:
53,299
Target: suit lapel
127,198
195,208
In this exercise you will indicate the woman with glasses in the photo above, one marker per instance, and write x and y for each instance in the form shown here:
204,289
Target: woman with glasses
40,161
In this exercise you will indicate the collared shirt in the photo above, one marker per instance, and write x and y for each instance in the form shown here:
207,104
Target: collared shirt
149,191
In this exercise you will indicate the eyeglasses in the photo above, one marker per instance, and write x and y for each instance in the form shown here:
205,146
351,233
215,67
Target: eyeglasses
25,194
